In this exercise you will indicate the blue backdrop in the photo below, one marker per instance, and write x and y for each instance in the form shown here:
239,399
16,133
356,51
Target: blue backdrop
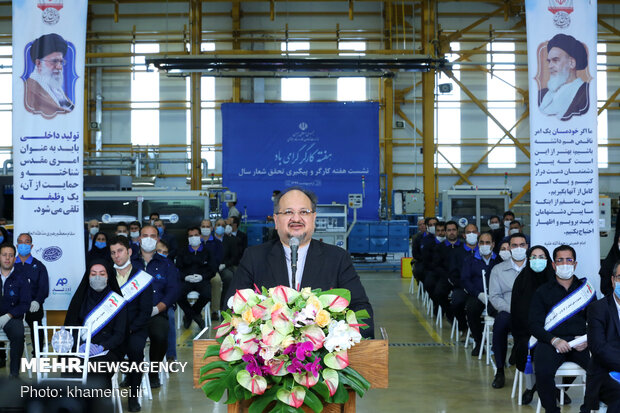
330,148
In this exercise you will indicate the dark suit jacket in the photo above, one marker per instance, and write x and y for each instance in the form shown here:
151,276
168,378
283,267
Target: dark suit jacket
603,342
327,267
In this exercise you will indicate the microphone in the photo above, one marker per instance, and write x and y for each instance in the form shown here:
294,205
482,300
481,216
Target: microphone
294,244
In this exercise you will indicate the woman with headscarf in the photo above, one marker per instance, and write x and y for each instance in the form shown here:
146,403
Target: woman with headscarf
538,271
98,283
607,266
100,249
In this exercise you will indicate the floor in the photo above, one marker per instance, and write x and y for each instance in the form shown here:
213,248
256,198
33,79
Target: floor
428,373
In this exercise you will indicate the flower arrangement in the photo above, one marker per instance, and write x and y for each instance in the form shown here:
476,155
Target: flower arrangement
284,348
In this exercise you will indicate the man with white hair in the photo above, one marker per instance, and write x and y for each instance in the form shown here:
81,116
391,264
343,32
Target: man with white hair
566,94
44,93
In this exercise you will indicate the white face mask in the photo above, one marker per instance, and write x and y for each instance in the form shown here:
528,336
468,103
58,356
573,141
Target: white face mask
228,229
98,283
565,272
514,231
507,224
505,254
194,241
431,230
485,250
148,244
122,234
518,254
471,238
441,239
134,234
494,226
94,231
205,232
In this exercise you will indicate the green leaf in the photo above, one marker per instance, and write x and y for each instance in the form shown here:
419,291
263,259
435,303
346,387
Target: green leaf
341,395
351,382
219,364
342,292
313,402
348,371
214,390
260,403
213,350
322,390
362,314
211,376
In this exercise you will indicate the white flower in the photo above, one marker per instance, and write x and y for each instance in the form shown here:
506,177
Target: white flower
268,352
229,303
305,317
243,328
341,336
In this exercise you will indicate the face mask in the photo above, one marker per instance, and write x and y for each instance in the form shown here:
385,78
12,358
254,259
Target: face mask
122,267
163,255
538,264
148,244
514,231
518,254
273,198
507,224
484,250
228,229
205,232
431,230
98,283
23,249
1,239
94,231
505,254
617,290
160,230
441,239
219,230
494,226
194,241
122,234
100,244
471,238
564,271
134,234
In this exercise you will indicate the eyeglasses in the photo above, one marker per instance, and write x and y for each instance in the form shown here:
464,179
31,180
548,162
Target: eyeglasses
56,62
566,260
289,213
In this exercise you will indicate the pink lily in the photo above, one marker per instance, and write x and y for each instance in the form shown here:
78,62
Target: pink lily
315,335
331,380
335,303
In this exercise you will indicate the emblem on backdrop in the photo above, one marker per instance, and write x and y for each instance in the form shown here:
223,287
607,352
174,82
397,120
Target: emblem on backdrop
561,10
51,11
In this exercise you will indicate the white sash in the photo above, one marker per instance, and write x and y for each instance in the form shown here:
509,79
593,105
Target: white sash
565,309
103,313
135,285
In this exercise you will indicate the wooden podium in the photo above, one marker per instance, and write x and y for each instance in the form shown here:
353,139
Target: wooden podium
369,358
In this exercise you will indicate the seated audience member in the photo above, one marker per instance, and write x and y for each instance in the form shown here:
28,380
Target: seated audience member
167,237
418,245
538,271
502,279
171,353
165,294
14,303
507,219
458,296
504,251
607,265
206,228
134,236
497,232
553,348
139,309
604,344
92,229
241,236
441,262
98,282
196,267
35,271
227,265
432,275
474,266
516,228
100,249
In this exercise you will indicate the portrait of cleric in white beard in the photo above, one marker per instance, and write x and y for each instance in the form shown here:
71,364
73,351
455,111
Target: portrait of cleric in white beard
45,92
567,91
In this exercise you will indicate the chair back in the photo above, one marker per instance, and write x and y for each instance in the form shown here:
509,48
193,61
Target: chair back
48,351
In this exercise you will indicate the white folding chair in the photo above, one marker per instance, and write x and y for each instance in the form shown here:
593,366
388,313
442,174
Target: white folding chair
48,351
488,323
412,286
192,296
5,345
567,369
518,379
439,319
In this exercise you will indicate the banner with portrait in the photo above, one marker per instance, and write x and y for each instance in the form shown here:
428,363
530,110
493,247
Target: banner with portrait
561,46
49,39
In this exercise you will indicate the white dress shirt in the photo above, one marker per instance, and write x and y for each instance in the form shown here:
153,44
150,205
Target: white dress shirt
302,253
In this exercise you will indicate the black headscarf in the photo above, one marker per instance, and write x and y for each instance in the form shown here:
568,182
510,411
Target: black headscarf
85,298
607,266
99,253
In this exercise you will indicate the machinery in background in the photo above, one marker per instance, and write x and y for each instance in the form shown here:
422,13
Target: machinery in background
331,224
475,204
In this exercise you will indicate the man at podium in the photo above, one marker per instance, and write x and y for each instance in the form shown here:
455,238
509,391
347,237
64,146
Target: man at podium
318,265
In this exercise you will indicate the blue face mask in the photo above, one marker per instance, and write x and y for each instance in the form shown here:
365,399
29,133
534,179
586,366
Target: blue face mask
100,244
219,230
160,230
617,290
23,249
538,264
1,239
163,255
